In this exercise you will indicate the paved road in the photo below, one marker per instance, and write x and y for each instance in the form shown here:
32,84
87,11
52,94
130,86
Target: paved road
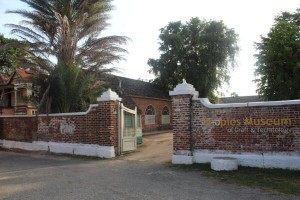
37,176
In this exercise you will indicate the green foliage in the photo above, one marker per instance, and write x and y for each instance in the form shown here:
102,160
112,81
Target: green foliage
199,51
9,56
71,87
74,90
278,59
68,31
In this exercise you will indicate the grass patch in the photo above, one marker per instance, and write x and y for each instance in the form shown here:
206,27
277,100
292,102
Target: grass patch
274,181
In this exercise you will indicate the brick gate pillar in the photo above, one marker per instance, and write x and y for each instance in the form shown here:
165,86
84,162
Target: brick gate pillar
182,96
108,119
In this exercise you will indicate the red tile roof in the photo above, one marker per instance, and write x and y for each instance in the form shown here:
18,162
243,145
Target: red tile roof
25,74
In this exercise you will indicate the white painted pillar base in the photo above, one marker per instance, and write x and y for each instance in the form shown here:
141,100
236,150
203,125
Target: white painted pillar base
182,159
224,164
281,160
65,148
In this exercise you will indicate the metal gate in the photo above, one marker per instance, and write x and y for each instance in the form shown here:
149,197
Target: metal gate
128,129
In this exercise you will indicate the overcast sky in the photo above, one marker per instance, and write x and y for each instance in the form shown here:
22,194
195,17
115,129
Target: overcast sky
141,20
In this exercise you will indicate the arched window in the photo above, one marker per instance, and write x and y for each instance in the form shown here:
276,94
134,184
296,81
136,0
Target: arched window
150,110
150,115
165,117
165,111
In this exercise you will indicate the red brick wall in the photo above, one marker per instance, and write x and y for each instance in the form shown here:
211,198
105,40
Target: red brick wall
158,104
181,115
272,129
99,126
20,129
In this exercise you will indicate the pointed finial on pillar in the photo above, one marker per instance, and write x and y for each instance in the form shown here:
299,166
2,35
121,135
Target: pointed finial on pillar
109,95
184,88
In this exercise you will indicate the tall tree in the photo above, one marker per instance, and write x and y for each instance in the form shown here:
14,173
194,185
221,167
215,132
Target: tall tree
199,51
70,32
278,59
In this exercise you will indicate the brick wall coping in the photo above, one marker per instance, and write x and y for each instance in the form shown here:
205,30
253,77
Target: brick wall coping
23,116
206,103
55,114
71,114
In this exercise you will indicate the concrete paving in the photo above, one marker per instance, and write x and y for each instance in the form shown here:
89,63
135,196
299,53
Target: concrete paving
36,176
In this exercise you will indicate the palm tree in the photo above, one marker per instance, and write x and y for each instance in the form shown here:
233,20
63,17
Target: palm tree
68,30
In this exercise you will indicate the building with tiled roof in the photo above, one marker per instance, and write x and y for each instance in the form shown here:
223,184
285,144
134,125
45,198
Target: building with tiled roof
154,104
15,92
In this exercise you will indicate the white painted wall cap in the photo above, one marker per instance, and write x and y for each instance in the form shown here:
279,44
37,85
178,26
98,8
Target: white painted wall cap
109,95
206,103
184,88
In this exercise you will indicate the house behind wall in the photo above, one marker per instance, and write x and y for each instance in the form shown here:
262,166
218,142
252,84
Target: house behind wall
154,105
15,92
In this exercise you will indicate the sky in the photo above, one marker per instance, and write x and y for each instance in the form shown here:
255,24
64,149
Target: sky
140,20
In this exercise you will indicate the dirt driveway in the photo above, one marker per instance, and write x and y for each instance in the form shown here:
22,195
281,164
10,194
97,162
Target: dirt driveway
156,148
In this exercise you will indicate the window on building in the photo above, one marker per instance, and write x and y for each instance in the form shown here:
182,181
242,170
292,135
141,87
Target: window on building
165,117
20,93
149,115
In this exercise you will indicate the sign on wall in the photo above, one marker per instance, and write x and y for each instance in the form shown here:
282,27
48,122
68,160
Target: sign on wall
251,125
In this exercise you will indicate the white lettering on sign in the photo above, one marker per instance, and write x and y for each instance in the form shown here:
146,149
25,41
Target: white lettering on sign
259,130
252,125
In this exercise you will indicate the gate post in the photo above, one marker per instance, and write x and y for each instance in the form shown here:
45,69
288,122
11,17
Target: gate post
109,119
182,96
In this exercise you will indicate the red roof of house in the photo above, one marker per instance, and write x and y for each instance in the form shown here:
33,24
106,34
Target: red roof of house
25,74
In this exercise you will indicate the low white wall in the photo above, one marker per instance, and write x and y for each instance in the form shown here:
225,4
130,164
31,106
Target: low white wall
182,159
264,160
66,148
